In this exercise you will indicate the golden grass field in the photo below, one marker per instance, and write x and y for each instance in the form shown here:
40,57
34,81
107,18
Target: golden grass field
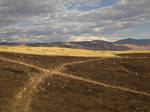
56,51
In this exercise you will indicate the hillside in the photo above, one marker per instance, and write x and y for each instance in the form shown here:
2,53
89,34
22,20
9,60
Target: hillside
88,45
121,45
141,42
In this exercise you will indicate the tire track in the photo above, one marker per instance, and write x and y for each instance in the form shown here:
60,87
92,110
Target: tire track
63,67
102,84
24,97
24,64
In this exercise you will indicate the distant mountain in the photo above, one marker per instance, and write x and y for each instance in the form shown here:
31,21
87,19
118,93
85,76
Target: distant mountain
11,44
133,41
88,45
125,44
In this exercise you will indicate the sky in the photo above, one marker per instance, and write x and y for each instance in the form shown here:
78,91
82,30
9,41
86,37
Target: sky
73,20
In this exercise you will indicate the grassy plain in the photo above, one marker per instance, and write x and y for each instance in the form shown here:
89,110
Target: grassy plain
56,51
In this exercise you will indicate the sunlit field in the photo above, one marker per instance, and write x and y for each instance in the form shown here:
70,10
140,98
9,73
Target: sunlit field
133,51
56,51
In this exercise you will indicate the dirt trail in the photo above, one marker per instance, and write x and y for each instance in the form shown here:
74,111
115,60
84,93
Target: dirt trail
102,84
24,64
63,67
24,97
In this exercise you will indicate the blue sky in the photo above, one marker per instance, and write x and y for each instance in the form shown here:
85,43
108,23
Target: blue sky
82,6
71,20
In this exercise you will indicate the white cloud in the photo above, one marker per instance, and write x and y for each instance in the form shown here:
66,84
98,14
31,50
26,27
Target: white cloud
90,38
50,18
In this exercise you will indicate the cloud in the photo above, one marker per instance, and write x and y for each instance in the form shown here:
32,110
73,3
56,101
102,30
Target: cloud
90,38
52,20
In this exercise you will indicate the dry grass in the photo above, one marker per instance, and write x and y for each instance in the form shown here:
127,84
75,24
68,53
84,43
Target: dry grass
132,51
56,51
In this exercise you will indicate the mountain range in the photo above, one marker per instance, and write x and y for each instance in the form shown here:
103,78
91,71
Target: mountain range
124,44
134,44
134,41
